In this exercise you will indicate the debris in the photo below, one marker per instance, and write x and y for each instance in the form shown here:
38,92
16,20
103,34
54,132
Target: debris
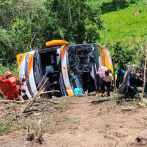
36,114
21,99
144,100
35,135
34,98
142,137
86,93
2,95
140,105
11,101
128,108
44,92
92,93
144,81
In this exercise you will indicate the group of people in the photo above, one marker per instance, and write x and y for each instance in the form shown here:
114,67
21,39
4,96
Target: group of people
107,78
11,81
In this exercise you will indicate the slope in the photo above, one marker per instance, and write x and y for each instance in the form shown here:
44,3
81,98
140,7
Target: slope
121,23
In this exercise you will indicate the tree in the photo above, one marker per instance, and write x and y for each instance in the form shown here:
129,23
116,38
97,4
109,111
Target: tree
73,26
26,25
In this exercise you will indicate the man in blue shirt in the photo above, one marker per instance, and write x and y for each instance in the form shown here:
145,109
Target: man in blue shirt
120,76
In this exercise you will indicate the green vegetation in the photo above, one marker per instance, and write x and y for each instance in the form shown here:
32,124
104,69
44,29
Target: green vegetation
26,25
61,106
4,126
124,26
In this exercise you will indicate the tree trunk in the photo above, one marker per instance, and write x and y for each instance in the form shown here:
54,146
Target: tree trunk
69,10
144,82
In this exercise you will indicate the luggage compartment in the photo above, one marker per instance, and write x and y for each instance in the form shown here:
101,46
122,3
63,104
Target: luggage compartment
51,68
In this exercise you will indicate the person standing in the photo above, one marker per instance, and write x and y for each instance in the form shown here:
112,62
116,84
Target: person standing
107,81
101,74
120,76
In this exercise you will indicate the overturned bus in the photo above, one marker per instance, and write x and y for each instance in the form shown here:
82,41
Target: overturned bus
67,66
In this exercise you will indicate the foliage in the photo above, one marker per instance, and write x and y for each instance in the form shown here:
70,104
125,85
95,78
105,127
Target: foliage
26,25
10,67
123,25
139,57
5,125
122,54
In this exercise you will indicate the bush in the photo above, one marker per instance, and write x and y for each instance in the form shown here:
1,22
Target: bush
122,54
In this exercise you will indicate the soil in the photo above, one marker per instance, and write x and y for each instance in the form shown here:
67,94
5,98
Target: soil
77,122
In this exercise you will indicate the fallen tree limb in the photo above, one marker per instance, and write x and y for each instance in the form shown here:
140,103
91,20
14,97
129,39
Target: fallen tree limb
35,135
21,99
140,105
11,101
34,98
44,92
128,109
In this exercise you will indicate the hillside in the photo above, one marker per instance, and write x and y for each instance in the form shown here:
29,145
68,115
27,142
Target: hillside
121,23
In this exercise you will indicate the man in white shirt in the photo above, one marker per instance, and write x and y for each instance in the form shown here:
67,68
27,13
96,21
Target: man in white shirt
107,80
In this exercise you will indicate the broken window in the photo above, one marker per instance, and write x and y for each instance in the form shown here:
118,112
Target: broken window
79,61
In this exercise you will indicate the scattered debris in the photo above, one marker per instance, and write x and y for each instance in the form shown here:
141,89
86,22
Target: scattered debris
12,101
31,101
142,137
35,135
130,108
2,95
140,105
36,114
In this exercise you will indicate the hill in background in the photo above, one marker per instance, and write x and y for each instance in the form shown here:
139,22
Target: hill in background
123,21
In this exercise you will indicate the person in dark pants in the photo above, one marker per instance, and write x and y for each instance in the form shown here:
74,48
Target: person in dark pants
120,75
107,80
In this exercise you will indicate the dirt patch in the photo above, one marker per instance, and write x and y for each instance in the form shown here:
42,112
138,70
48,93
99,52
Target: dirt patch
75,122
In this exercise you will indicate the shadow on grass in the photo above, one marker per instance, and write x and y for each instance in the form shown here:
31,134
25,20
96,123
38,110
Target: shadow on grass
114,5
99,101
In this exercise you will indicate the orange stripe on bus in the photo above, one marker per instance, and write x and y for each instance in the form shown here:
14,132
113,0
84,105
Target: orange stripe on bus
63,51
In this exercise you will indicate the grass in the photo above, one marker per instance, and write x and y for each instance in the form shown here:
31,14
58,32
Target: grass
13,68
61,106
4,126
121,24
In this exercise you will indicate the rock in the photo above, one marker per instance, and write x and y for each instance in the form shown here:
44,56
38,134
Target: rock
140,105
142,137
36,114
130,108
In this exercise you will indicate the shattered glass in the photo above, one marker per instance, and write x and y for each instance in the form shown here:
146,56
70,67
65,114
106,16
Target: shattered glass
80,60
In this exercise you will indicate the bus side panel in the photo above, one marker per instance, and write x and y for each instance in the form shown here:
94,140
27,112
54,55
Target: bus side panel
109,60
21,66
64,70
104,57
31,73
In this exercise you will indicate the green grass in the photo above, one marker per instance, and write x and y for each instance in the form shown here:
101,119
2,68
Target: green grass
4,126
120,23
61,106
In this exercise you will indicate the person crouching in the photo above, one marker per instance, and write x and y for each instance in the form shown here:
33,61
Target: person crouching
107,80
11,85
